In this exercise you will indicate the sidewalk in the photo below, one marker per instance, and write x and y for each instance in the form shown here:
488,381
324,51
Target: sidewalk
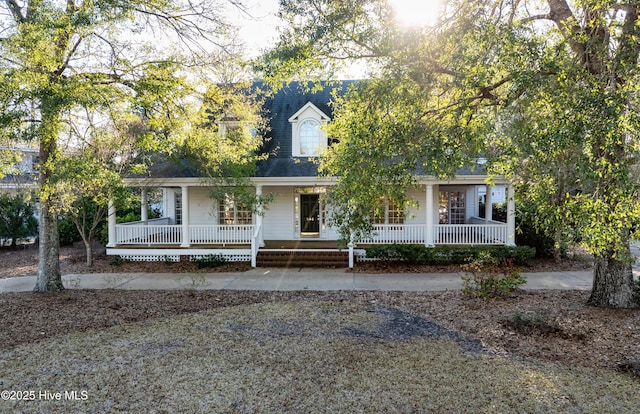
293,279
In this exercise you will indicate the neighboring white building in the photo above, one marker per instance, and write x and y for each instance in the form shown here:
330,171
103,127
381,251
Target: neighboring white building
22,176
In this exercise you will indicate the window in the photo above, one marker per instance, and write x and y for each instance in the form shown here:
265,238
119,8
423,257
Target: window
309,138
35,164
178,201
233,212
389,212
452,207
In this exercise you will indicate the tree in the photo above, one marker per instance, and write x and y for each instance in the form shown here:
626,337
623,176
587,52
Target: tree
85,185
58,57
547,92
16,218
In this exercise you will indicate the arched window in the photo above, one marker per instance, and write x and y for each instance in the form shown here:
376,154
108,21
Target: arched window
309,138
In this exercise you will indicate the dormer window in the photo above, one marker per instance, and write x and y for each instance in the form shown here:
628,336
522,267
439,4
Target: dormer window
309,139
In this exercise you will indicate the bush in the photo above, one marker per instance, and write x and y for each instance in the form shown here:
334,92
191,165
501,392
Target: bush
211,260
68,232
116,260
487,278
536,322
445,255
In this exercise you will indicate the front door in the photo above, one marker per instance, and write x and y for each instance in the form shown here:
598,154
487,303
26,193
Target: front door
310,215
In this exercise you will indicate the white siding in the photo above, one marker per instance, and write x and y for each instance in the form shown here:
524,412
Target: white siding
278,217
471,203
170,204
416,214
330,232
202,209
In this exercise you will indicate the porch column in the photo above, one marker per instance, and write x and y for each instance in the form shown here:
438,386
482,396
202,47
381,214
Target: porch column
428,239
488,205
260,216
186,238
144,206
511,217
112,224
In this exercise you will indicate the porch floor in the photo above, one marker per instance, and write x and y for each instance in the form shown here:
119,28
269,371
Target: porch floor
300,244
177,246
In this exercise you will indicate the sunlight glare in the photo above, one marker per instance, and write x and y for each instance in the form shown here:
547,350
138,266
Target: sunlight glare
416,12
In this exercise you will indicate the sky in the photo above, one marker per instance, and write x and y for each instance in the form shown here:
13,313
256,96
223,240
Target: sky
259,28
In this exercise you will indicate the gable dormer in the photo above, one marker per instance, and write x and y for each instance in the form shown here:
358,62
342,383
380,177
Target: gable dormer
309,135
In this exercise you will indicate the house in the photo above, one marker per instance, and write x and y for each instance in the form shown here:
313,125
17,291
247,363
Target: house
22,176
194,225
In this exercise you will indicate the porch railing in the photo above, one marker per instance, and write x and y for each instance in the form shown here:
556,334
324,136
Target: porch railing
255,245
148,234
221,234
397,233
470,234
495,233
151,234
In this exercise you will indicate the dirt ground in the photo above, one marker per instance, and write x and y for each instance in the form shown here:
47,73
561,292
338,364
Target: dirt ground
541,325
24,262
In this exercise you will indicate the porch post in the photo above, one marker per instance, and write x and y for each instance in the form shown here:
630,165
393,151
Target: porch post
186,238
112,224
260,217
351,245
144,206
488,205
511,217
429,239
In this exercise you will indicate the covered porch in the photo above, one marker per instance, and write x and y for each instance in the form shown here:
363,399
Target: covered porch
190,229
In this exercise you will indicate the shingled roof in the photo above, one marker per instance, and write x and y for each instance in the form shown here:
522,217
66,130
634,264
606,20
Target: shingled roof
278,109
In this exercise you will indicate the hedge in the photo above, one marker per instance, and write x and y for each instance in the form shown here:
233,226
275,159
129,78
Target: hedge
444,255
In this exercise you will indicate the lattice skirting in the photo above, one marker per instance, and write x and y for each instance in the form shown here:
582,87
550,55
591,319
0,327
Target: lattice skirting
232,255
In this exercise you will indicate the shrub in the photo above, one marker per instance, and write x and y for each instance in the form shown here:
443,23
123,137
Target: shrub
486,277
410,253
210,260
445,255
536,322
68,232
116,260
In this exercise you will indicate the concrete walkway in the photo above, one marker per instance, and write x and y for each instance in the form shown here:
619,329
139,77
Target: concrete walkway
302,279
293,279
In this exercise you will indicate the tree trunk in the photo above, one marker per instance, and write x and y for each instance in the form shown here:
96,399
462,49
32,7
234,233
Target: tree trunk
89,250
49,277
613,285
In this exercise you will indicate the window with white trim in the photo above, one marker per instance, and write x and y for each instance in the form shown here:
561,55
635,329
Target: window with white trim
388,212
178,208
232,212
309,137
452,208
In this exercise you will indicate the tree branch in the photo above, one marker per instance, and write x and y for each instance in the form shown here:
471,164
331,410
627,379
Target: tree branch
16,11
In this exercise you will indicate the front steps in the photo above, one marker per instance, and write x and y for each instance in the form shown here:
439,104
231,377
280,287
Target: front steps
303,258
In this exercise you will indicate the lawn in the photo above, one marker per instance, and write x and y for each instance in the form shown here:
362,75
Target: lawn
314,356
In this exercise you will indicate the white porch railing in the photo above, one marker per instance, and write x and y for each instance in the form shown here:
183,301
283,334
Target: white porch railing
255,245
470,234
484,234
151,234
397,233
148,234
221,234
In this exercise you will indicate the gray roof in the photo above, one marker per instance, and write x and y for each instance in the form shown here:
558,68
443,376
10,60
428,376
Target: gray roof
279,108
